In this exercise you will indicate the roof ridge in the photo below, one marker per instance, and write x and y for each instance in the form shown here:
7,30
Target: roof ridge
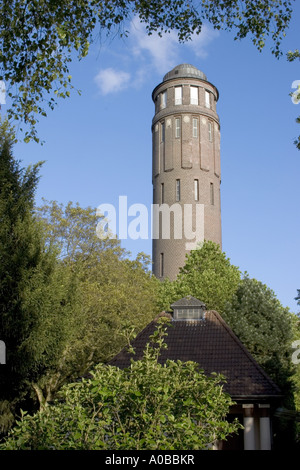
244,349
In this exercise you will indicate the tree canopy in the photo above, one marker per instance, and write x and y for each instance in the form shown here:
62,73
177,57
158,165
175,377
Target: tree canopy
39,38
207,275
263,325
25,267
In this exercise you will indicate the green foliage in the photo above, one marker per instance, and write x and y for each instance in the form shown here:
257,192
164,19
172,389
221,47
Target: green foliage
291,56
250,308
66,295
296,378
148,406
72,230
112,289
251,17
24,269
207,275
264,326
38,39
100,292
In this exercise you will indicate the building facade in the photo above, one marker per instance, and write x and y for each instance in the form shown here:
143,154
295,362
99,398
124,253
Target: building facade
186,173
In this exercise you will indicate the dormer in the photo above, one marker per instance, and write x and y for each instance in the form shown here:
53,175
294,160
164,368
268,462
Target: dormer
189,309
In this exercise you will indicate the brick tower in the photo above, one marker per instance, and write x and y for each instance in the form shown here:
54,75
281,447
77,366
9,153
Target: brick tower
185,169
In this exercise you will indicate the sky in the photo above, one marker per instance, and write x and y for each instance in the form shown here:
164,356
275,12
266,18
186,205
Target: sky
98,146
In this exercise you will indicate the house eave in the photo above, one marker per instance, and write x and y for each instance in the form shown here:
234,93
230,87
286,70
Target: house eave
256,398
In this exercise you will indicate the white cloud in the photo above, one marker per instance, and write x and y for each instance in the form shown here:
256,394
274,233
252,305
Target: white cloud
163,51
146,55
111,80
200,41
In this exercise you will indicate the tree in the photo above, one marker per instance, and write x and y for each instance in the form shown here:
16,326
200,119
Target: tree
297,373
145,407
207,275
267,330
25,267
73,230
112,287
101,293
263,325
38,38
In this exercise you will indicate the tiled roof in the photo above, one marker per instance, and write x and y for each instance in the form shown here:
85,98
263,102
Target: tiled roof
213,345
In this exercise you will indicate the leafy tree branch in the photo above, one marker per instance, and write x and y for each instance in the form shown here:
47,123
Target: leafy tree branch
39,38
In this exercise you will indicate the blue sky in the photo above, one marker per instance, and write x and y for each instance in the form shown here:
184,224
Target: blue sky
98,146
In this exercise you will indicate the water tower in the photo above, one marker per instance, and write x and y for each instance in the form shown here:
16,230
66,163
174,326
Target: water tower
186,168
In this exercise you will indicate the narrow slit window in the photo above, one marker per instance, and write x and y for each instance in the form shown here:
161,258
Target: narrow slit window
161,265
194,95
195,127
177,128
162,137
196,190
210,131
177,190
162,193
178,95
212,196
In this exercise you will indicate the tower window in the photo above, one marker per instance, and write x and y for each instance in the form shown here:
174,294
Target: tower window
207,99
210,131
195,127
161,264
196,190
164,99
177,128
162,193
177,190
178,95
212,196
194,95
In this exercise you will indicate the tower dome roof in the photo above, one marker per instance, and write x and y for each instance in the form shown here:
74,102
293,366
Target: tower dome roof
183,71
